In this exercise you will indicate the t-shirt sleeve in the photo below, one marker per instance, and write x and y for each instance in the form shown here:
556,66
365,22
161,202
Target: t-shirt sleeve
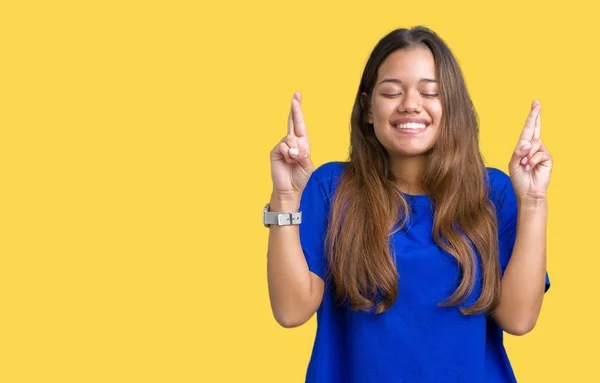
315,204
507,213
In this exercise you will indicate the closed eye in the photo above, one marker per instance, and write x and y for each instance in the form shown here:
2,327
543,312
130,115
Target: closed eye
424,94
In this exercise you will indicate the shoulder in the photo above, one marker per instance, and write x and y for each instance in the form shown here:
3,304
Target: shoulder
322,183
500,188
329,174
329,169
497,179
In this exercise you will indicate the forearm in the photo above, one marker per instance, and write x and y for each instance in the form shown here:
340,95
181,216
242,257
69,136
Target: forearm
523,283
288,274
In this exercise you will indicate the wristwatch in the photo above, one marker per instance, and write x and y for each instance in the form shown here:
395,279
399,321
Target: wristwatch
278,218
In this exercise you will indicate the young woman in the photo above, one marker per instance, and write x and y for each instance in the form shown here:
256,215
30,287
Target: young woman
413,254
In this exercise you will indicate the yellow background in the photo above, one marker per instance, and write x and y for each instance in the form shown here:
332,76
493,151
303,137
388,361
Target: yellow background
135,139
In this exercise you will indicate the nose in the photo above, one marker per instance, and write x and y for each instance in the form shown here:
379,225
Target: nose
410,103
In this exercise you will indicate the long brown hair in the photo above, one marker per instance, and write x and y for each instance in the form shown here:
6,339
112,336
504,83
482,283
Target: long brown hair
367,203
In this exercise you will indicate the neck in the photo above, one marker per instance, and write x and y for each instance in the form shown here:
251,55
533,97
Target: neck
408,172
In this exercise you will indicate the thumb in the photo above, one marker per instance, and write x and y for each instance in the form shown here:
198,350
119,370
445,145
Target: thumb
520,151
302,156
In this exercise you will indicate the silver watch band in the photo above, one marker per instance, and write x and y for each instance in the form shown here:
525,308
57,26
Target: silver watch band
278,218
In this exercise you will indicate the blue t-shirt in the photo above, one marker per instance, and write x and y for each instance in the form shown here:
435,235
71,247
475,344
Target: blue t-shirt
415,341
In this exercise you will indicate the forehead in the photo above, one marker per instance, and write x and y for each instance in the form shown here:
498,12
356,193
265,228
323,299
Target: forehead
408,65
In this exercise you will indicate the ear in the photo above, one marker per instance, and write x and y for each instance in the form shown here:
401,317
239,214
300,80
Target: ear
365,104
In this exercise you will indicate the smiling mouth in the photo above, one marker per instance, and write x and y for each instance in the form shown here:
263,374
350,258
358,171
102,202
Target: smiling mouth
411,126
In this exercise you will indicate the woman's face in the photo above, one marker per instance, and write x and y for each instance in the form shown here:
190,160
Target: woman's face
405,107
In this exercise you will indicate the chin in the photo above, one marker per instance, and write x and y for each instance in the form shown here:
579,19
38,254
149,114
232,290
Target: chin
410,152
408,147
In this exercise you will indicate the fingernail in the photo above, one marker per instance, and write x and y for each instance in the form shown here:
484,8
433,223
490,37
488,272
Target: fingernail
524,160
527,168
526,147
294,152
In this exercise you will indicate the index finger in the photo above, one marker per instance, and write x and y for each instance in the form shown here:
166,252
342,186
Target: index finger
290,130
529,129
538,124
299,126
290,116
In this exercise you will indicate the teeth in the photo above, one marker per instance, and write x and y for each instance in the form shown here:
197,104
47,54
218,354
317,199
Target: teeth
411,125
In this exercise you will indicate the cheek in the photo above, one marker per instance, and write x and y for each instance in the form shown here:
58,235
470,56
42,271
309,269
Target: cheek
435,111
383,111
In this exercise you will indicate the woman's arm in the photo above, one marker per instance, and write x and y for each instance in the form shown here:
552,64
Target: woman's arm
295,292
524,281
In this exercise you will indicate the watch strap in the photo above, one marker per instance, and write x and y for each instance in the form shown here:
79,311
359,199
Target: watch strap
281,218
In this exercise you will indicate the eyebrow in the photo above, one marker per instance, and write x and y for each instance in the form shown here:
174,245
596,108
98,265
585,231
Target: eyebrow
397,81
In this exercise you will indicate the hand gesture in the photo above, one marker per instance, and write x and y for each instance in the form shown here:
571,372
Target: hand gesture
531,164
291,165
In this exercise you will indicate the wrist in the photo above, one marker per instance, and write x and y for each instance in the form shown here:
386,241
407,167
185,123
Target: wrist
532,202
284,202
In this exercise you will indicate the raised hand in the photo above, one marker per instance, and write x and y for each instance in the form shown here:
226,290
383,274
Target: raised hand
531,163
291,165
